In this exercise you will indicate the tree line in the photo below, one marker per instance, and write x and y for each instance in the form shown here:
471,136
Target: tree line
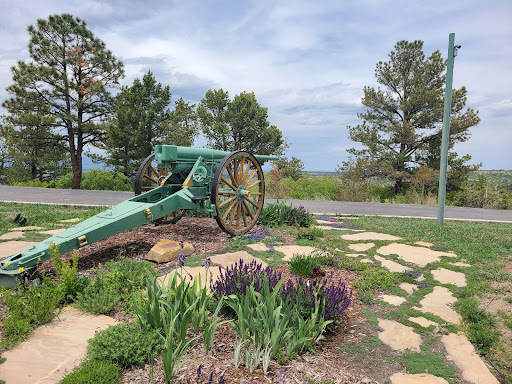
61,104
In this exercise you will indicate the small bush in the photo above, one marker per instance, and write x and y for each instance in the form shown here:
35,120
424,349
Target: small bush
98,297
279,213
481,325
97,179
125,344
303,265
28,307
94,372
309,233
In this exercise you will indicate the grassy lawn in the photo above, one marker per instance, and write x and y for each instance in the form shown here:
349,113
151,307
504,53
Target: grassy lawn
485,304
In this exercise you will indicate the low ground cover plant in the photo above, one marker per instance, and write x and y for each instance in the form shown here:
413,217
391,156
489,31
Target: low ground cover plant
279,213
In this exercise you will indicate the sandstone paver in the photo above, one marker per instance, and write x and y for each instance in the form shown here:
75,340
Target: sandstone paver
417,255
368,261
228,259
327,222
370,236
355,254
258,247
422,321
53,349
27,228
445,276
461,351
418,378
8,248
53,231
424,244
330,228
392,299
11,235
408,287
361,247
290,250
440,302
461,264
73,220
393,266
398,336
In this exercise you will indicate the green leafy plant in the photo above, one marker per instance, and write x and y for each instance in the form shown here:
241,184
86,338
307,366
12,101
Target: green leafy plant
303,265
28,307
67,273
98,297
279,213
125,344
310,233
94,372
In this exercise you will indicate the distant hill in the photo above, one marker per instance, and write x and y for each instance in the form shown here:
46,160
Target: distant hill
501,178
319,173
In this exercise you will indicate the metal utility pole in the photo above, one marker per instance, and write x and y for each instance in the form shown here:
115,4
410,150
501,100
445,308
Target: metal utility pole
452,52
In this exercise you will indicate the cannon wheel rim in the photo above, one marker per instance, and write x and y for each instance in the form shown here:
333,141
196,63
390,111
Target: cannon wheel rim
237,212
151,175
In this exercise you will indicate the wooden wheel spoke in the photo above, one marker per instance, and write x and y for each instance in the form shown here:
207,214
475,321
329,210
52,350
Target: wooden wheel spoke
254,184
148,188
252,202
231,176
244,177
238,210
154,171
227,201
226,192
151,179
247,208
235,170
228,184
241,173
252,175
230,208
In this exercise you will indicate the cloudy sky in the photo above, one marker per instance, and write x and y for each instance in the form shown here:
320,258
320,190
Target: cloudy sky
307,61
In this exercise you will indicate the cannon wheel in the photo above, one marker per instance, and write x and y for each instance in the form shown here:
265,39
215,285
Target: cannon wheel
149,176
238,192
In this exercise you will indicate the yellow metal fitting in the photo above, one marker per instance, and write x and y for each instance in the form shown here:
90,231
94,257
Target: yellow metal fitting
148,213
82,241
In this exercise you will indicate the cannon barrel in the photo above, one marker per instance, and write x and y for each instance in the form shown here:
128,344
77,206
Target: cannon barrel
165,155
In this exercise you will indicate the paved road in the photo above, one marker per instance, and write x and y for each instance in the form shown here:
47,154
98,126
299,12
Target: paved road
108,198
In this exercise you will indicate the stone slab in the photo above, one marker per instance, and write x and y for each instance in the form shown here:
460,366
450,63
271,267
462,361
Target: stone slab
259,247
361,247
391,265
168,250
408,287
417,255
370,236
445,276
422,321
11,235
398,336
367,261
73,220
52,349
461,264
418,378
9,248
393,300
228,259
461,351
355,254
319,221
290,250
330,228
27,228
440,302
424,244
53,231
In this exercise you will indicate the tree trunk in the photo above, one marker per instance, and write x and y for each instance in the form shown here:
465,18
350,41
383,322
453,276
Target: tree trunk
398,186
76,165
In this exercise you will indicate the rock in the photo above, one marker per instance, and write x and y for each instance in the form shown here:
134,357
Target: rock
169,250
418,378
398,336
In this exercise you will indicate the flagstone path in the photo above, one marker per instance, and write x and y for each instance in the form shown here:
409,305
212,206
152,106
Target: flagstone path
60,345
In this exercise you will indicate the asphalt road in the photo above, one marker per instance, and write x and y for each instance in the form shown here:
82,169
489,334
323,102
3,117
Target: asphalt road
109,198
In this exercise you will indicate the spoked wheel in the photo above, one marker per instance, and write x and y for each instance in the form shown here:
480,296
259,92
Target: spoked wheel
238,192
150,176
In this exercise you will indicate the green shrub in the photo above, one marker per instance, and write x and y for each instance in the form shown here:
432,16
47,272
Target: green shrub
315,188
67,273
97,179
279,213
309,233
98,297
481,325
94,372
125,344
303,265
28,307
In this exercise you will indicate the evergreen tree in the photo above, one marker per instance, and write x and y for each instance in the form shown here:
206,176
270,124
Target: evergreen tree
402,124
62,90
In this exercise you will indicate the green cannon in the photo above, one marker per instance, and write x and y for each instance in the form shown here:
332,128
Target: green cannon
169,182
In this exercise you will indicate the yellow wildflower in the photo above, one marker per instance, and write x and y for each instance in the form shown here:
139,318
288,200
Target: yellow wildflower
21,269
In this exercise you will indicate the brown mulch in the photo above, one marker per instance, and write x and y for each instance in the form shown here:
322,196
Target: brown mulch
329,364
